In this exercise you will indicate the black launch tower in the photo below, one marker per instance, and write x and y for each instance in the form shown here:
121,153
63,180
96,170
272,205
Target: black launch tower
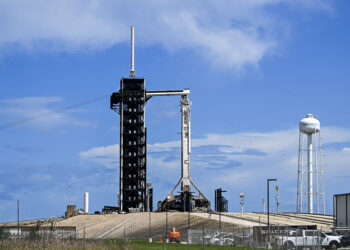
129,102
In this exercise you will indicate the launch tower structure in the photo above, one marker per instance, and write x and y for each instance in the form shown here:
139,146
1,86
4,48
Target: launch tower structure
130,103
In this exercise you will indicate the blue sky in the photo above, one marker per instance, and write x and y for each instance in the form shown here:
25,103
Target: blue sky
255,69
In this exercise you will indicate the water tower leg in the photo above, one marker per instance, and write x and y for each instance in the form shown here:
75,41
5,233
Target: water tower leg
309,158
300,179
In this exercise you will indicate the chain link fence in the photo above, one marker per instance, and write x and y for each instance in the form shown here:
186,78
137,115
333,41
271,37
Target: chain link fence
164,229
257,237
37,238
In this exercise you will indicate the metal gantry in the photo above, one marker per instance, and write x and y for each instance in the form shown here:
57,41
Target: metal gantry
129,102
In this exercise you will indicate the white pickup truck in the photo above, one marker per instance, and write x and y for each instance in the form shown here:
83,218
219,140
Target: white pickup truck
307,238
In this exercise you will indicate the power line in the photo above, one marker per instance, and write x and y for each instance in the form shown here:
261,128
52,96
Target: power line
62,110
302,97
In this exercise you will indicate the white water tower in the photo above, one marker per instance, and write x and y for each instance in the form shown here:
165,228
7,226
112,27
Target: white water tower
309,165
86,202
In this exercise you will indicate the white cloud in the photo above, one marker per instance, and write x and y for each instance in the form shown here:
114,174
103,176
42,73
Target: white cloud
347,150
229,34
334,135
251,148
38,113
241,161
104,155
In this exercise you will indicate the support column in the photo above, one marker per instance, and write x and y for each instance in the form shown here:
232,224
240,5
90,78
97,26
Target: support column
310,185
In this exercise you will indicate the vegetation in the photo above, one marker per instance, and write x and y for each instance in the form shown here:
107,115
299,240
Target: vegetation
100,245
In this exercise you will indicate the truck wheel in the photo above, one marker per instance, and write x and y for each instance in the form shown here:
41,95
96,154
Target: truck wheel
288,245
333,245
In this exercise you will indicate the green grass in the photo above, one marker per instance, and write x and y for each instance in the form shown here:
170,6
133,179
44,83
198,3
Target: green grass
103,245
144,245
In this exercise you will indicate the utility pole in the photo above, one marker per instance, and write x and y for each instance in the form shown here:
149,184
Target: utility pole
268,207
17,218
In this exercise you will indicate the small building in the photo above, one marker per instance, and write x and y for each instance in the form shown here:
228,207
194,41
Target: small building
71,211
341,210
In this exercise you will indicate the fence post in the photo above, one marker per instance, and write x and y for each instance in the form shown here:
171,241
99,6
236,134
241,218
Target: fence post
233,235
150,228
203,242
188,226
277,235
124,239
243,239
288,234
2,240
84,240
250,238
320,239
166,226
44,241
164,239
296,239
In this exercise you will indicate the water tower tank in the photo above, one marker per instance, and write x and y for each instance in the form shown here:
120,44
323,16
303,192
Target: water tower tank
309,125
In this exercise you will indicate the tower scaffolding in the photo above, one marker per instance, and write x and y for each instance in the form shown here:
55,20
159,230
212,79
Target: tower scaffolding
129,102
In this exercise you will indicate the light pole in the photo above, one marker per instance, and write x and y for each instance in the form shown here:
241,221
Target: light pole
268,207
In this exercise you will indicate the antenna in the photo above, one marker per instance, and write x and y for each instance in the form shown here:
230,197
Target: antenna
68,194
132,70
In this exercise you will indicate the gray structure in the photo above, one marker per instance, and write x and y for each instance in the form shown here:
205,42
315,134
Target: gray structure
221,203
341,210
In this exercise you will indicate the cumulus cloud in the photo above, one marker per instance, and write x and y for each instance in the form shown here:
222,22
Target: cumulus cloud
37,112
240,161
104,155
229,34
249,150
